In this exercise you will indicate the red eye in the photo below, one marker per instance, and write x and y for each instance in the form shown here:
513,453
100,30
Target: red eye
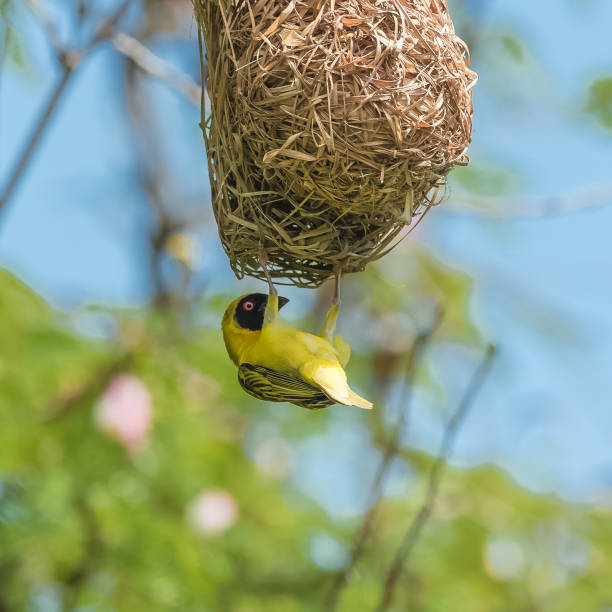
248,306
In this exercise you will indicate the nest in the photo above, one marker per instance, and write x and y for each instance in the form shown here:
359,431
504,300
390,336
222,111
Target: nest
332,127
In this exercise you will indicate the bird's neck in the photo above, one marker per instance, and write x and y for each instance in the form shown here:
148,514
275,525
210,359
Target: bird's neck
239,341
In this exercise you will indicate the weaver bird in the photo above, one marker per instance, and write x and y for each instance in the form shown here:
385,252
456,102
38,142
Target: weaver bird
278,363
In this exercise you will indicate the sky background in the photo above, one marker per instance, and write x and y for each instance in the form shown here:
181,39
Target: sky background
542,285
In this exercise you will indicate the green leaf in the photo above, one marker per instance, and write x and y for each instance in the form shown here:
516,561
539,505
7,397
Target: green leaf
513,47
13,50
599,101
484,180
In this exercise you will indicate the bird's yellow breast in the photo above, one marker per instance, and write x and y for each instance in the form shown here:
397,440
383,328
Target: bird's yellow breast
285,349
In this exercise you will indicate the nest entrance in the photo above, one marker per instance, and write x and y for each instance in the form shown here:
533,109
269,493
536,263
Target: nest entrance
332,126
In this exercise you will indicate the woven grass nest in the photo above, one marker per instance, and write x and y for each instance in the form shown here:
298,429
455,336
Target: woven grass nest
332,126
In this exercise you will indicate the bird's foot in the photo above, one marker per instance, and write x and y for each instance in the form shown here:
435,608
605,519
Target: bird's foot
336,296
329,329
263,260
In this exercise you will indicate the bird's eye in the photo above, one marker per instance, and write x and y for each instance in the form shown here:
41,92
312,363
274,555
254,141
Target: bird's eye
249,306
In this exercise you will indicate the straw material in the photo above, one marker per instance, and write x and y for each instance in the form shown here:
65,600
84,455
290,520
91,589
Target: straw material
332,127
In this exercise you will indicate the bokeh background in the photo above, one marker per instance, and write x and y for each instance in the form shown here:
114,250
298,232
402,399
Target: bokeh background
134,472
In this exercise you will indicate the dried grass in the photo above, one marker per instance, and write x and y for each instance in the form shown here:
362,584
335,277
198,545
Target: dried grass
333,125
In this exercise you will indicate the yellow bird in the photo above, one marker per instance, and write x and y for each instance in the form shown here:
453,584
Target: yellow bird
277,363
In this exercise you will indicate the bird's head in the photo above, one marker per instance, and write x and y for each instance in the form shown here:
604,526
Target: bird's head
243,320
248,310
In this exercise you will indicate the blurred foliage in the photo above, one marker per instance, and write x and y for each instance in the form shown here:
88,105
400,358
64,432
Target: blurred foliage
86,524
599,101
13,53
484,180
513,47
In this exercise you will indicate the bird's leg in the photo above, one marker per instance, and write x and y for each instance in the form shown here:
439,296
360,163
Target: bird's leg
271,311
332,314
263,260
336,296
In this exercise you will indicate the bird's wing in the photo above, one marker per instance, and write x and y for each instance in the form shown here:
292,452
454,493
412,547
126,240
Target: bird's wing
273,386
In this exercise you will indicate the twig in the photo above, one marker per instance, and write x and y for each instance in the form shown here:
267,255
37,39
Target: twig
34,138
154,65
154,179
90,557
391,449
6,32
412,535
69,62
5,571
529,207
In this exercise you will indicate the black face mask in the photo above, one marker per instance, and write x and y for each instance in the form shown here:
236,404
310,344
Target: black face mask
251,308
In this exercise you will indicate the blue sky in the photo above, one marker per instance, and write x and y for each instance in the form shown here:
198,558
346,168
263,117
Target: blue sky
74,230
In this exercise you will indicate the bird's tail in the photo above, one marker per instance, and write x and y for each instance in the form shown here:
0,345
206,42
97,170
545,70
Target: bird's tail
332,380
357,400
347,397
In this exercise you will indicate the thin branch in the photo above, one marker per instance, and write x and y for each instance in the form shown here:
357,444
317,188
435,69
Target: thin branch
154,65
155,180
93,548
529,207
6,32
6,569
35,136
69,62
433,483
362,534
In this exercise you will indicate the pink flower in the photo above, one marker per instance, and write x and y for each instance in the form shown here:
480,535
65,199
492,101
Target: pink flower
212,512
125,411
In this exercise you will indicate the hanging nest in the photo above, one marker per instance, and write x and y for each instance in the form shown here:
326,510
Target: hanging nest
332,126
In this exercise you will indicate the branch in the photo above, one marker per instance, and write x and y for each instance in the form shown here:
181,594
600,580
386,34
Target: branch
529,207
154,65
5,571
362,534
433,484
69,62
35,136
93,548
153,174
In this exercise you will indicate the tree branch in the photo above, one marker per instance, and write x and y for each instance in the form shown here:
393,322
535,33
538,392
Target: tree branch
362,534
154,65
529,207
76,579
414,531
35,136
5,576
69,62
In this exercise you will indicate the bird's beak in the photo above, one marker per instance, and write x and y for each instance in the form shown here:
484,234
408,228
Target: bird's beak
281,302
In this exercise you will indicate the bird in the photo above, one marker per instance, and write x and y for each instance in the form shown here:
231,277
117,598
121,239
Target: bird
277,363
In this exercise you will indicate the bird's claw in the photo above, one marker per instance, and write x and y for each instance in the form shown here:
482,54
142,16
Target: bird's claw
263,260
336,296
